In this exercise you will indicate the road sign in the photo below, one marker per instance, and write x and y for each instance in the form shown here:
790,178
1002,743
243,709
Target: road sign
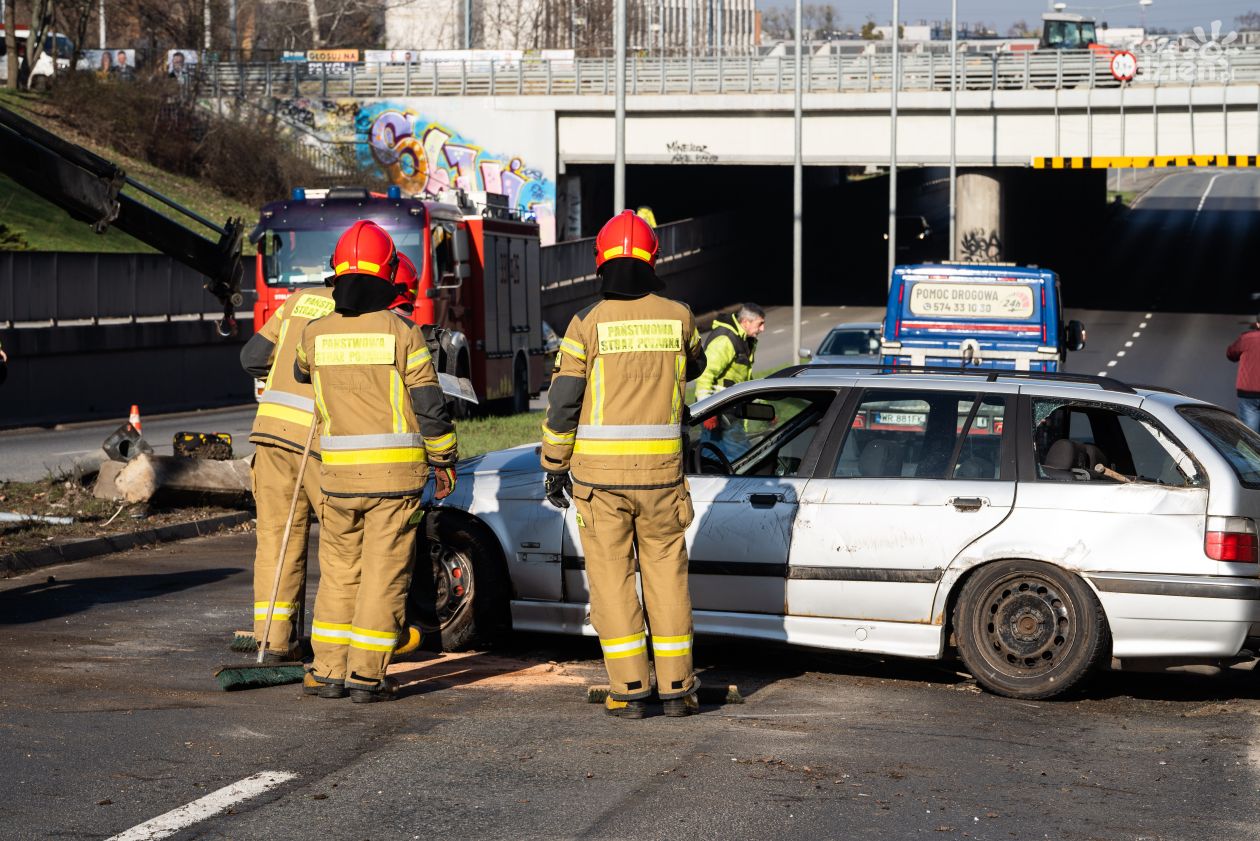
1124,66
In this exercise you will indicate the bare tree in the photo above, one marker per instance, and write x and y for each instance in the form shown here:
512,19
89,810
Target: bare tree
1248,20
10,44
1021,29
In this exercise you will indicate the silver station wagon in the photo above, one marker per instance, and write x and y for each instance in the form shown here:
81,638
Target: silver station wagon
1043,525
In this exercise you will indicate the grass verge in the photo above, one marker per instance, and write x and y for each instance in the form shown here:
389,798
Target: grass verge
483,435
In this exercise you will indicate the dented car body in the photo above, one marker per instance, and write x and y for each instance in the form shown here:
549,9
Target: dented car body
1044,525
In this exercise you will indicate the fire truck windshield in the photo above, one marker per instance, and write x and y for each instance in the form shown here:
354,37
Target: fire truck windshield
299,257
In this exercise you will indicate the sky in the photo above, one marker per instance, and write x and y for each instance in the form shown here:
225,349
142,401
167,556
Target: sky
1181,15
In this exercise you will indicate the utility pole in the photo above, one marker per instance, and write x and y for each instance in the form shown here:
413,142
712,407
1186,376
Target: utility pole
468,24
100,16
892,142
206,23
797,189
619,162
953,132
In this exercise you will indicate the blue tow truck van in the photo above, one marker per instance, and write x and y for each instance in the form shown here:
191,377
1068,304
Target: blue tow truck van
977,315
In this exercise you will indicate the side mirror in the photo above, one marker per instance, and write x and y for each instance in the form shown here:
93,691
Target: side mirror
1075,335
805,353
459,245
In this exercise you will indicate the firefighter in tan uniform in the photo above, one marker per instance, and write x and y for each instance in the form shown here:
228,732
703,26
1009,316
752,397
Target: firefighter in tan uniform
383,421
285,413
613,440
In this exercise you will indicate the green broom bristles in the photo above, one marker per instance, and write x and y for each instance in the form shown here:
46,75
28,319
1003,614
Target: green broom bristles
231,678
244,642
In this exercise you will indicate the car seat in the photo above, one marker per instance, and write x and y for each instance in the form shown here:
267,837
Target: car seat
881,459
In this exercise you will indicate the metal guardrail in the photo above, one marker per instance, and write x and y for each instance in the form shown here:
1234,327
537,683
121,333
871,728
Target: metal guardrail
836,73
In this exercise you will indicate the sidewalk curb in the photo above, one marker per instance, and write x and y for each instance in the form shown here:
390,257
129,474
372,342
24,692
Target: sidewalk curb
17,563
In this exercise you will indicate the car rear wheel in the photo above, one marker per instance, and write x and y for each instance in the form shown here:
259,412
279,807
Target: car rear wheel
1029,630
464,598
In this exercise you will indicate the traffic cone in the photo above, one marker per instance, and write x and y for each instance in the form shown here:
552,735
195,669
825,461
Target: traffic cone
134,420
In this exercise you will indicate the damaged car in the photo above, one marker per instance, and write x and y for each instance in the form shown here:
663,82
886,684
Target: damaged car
1041,526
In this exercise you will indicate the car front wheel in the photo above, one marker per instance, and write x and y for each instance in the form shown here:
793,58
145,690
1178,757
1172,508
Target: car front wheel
1029,630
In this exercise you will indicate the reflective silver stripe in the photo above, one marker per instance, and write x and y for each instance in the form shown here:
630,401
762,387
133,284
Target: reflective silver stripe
283,398
624,432
371,442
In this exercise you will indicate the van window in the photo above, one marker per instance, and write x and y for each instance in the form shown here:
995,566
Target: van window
1092,442
923,435
1237,442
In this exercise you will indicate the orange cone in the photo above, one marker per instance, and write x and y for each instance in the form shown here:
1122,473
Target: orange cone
134,420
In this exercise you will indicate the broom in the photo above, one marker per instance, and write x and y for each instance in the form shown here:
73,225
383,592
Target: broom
276,674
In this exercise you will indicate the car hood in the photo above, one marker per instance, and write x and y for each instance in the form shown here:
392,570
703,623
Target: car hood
522,459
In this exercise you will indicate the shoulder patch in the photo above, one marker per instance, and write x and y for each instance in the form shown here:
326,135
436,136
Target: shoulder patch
581,314
312,307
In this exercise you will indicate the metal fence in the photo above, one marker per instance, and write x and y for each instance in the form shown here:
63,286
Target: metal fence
834,73
51,288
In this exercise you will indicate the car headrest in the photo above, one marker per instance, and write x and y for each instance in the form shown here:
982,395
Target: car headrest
1061,455
881,459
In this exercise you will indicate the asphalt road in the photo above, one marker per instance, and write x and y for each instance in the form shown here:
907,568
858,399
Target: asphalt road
111,718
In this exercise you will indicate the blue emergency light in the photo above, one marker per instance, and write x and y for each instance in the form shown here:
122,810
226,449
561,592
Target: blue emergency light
299,194
394,191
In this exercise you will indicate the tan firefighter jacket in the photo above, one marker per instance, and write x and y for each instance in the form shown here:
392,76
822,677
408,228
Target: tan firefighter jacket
383,418
616,399
286,407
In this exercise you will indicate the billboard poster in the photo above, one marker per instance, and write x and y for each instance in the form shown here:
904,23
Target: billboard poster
180,62
111,63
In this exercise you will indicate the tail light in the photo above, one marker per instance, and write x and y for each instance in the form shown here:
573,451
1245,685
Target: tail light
1231,539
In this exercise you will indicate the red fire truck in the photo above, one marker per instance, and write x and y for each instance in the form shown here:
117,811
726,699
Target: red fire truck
479,276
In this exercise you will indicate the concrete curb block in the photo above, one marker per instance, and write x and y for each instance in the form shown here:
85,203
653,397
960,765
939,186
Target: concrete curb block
78,550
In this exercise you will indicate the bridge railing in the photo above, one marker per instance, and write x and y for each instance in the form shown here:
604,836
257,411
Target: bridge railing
927,71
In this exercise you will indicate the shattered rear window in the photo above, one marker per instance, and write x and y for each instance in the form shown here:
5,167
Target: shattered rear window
1238,443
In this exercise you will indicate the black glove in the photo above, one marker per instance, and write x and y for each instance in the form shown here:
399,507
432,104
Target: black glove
558,487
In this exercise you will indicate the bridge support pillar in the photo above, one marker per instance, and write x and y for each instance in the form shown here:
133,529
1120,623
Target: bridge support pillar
981,223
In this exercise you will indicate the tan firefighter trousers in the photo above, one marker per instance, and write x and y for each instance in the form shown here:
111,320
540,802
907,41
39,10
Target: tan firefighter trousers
366,548
275,470
612,525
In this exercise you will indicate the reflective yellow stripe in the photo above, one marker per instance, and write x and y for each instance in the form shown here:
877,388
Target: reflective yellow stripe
316,636
283,610
621,640
695,338
263,605
319,403
329,626
399,455
418,358
342,266
354,349
615,251
679,638
396,401
300,352
284,413
596,447
679,646
368,265
330,633
559,438
680,384
668,653
575,349
440,444
371,646
619,647
641,253
369,640
284,330
364,265
597,387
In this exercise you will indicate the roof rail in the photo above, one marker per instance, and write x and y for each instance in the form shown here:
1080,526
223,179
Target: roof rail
990,374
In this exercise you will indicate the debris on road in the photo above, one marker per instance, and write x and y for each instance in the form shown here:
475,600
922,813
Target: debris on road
144,476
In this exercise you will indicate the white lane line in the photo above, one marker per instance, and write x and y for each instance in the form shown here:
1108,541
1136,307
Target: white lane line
1202,201
824,315
1142,326
1111,364
1120,353
780,330
1137,333
1128,344
204,807
72,452
1148,315
1102,373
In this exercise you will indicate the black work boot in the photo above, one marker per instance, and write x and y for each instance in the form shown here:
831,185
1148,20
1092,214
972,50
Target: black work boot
687,705
322,687
624,709
386,689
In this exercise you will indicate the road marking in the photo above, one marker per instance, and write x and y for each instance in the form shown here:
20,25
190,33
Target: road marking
1102,373
1119,353
806,321
1128,344
1148,315
72,452
1199,209
1111,364
824,315
1142,326
205,807
776,332
1137,333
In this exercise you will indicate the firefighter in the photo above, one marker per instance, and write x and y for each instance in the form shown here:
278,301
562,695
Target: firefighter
613,441
285,413
383,422
730,350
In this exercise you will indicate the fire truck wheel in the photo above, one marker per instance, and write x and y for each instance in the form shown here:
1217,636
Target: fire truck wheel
465,598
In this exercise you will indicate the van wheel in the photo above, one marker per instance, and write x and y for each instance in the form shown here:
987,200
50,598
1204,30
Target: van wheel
464,597
1029,630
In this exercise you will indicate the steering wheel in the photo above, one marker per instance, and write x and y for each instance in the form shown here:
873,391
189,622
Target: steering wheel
720,457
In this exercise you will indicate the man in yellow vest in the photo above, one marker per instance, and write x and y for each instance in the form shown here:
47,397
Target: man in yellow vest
383,422
615,421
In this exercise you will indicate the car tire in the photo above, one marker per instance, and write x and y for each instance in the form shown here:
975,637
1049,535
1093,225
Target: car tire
1029,630
464,598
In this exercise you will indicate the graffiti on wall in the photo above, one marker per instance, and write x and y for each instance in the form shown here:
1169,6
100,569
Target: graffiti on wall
981,246
426,156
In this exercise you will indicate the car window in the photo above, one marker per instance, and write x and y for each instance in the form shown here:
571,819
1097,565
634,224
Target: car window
1238,443
923,435
761,434
850,343
1093,442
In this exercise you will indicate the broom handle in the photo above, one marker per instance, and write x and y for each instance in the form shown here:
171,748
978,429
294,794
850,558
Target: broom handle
284,541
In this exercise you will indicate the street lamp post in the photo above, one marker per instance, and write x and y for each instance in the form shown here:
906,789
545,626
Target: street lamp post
892,141
953,131
619,162
797,189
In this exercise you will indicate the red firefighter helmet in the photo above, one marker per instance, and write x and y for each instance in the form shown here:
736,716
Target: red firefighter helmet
406,281
626,235
365,249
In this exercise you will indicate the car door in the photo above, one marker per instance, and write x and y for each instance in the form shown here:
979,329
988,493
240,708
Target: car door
748,461
913,476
